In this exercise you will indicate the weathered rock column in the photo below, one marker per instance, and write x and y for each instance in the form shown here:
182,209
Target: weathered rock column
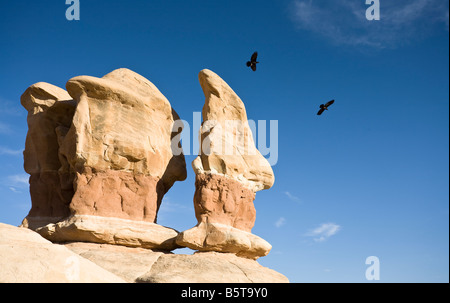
50,111
229,172
219,199
122,160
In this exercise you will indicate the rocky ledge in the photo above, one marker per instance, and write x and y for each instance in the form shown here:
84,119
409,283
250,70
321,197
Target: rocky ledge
26,257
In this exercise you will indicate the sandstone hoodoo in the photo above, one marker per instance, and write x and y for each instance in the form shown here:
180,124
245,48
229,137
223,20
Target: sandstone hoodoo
229,171
113,156
102,155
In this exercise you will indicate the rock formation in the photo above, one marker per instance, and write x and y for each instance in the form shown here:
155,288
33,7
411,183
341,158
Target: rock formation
50,111
113,155
102,155
27,257
229,171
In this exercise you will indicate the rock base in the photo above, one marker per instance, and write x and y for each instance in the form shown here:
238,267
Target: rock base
49,198
146,266
26,257
224,238
117,194
86,228
115,207
219,199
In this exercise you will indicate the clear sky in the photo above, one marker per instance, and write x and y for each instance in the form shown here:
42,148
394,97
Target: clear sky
367,178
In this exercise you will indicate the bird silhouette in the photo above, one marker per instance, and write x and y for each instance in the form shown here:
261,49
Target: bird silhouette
324,107
252,63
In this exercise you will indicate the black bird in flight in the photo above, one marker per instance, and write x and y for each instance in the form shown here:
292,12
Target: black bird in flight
252,63
324,107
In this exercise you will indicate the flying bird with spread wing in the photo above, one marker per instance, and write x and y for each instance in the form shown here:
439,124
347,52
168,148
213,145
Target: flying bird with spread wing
324,107
252,63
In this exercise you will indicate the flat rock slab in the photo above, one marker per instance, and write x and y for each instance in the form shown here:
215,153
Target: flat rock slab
86,228
26,257
224,238
147,266
126,262
209,267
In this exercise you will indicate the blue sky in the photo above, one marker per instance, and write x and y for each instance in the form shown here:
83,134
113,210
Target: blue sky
368,178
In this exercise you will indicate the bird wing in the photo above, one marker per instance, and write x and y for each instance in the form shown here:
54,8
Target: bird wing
254,56
320,112
254,67
329,103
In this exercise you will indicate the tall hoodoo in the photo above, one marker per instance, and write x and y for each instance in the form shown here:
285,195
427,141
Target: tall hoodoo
229,171
107,155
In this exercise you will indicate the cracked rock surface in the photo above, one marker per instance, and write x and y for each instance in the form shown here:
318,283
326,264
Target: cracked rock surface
148,266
